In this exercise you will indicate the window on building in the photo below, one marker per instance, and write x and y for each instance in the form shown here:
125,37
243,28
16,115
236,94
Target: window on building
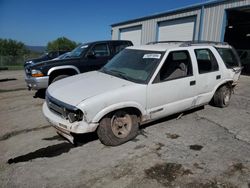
206,61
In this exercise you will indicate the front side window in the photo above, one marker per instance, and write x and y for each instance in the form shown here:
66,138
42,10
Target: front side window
229,57
206,61
134,65
177,65
79,51
101,50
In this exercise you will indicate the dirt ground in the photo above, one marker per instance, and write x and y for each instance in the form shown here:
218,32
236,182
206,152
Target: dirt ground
207,147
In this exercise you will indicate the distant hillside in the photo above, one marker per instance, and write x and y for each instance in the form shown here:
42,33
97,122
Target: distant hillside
38,49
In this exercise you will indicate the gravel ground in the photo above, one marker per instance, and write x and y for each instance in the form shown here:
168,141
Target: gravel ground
208,147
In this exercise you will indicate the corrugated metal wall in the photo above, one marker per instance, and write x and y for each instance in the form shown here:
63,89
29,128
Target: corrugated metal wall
213,18
149,27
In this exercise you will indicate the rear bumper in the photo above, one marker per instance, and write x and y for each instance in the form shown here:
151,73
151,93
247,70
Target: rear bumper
37,82
64,127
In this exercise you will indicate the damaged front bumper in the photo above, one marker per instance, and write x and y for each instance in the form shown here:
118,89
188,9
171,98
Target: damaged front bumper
64,127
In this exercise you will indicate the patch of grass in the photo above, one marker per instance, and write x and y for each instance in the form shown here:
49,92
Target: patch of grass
17,67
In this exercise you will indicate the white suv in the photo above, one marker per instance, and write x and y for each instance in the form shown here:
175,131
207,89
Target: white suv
141,84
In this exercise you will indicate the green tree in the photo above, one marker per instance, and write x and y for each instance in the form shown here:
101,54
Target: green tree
9,47
61,43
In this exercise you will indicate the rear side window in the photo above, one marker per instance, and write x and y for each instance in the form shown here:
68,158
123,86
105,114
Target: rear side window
206,61
101,50
229,57
120,46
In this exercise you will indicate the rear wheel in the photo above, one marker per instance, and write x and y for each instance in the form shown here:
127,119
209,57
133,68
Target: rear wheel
222,96
118,128
59,77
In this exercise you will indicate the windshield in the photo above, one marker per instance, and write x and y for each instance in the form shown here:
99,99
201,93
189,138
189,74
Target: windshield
44,55
63,56
78,51
133,65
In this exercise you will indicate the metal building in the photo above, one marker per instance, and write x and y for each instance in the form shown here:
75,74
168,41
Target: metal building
220,20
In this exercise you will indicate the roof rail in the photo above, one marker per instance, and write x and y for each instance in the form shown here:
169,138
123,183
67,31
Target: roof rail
190,43
171,41
195,42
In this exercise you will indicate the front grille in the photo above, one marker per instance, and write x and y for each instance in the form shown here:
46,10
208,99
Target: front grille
59,110
62,109
56,108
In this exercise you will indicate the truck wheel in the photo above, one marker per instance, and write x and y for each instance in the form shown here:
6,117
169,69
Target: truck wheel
118,128
222,96
59,77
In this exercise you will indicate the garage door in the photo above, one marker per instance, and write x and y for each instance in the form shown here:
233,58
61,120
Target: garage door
180,30
132,33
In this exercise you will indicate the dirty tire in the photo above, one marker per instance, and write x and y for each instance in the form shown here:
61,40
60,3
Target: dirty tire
118,128
59,77
222,96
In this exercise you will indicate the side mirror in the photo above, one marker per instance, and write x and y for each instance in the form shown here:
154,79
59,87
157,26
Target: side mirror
91,54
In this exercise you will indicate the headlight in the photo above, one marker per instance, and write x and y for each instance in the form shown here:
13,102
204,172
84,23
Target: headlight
75,116
36,73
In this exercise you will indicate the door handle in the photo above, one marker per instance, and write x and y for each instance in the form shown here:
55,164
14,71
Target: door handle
218,77
193,82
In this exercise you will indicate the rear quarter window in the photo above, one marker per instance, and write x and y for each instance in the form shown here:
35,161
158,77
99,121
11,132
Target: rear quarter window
229,57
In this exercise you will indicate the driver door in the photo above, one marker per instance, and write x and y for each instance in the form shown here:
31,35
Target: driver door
97,57
174,87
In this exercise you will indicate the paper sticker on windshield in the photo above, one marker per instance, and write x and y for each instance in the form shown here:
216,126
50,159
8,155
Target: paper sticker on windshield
85,46
152,56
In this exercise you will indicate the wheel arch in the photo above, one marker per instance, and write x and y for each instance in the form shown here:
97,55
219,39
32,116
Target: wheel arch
129,107
226,82
55,71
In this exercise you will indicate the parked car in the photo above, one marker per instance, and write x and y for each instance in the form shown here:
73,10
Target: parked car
245,59
86,57
142,84
46,56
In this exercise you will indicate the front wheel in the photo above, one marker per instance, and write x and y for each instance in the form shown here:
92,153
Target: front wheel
59,77
118,128
222,96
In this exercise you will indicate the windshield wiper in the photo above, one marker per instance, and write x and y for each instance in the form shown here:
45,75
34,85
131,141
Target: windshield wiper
104,70
119,73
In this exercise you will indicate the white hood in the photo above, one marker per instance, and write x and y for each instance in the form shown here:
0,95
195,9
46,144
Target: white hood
74,89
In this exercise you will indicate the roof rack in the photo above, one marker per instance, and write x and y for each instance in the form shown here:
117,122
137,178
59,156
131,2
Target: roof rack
190,43
196,42
159,42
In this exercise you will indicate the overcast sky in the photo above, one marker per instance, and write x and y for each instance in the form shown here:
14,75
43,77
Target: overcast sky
35,22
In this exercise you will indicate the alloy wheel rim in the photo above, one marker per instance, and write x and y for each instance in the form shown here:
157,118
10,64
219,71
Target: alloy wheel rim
121,125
